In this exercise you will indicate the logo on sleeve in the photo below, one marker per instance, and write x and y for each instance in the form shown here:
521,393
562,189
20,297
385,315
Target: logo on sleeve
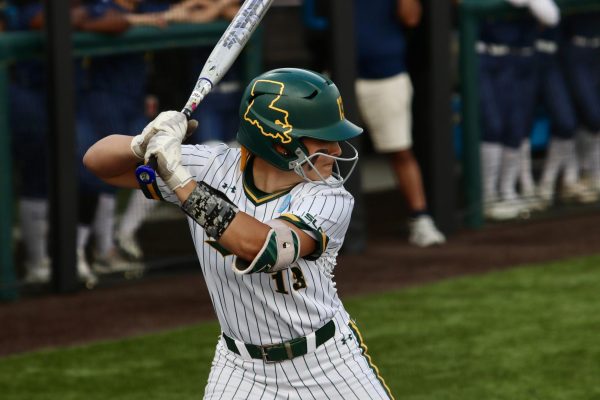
341,107
285,203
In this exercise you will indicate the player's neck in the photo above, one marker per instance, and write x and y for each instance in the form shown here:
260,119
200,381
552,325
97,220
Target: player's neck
269,179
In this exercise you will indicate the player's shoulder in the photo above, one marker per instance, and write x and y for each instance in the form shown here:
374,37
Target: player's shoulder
224,153
213,156
319,189
221,150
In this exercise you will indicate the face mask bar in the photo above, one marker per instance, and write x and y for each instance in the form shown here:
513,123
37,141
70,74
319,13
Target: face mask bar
336,179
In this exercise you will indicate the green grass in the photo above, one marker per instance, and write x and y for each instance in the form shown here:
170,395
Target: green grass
526,333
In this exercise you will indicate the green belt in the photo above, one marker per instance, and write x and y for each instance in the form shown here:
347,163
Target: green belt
286,350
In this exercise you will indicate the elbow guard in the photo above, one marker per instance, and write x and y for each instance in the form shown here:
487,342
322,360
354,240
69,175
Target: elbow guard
280,250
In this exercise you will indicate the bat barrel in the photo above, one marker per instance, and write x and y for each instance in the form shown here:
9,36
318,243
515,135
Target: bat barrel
221,58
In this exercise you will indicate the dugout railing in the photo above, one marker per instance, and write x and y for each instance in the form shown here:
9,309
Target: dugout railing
15,46
470,13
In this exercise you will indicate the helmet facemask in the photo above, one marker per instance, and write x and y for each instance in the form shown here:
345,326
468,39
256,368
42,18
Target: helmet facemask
282,107
336,179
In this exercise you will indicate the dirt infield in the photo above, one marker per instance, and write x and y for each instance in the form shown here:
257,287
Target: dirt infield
163,302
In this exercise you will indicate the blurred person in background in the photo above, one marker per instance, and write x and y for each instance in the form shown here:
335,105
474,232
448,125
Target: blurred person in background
30,140
200,11
582,67
553,93
218,113
384,94
114,101
5,15
507,82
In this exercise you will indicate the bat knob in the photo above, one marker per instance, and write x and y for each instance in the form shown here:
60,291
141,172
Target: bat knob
145,174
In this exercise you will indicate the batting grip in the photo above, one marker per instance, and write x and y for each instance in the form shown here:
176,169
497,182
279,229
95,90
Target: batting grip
146,173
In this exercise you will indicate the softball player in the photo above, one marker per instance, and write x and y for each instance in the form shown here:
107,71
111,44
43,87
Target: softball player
582,60
267,221
554,95
507,82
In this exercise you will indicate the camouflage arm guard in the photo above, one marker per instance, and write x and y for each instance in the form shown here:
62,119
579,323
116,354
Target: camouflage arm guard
211,209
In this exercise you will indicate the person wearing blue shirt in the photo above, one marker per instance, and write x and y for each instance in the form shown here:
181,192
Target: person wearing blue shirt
217,115
507,88
508,82
384,94
553,94
29,129
114,101
28,123
582,66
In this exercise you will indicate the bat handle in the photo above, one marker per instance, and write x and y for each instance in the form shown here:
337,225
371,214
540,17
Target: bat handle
146,173
187,112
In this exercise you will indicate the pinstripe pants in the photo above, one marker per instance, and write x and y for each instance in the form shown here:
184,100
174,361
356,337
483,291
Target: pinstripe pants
338,369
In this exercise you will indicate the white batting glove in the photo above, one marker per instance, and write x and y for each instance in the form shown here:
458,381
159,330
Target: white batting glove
545,11
167,150
173,123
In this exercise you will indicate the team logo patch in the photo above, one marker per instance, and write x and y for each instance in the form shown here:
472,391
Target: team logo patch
279,116
285,204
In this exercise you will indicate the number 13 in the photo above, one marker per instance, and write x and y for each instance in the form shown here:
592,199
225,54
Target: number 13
298,277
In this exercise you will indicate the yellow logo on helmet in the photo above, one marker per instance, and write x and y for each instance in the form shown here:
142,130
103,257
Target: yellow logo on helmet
341,107
281,116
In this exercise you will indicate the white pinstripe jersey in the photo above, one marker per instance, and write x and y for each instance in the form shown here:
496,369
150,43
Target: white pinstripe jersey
267,308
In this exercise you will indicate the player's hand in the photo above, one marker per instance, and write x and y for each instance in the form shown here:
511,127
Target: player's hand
170,122
167,150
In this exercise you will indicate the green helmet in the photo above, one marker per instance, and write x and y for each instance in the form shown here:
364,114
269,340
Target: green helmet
282,106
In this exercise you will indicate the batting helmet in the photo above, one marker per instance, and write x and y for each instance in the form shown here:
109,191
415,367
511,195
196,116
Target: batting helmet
282,106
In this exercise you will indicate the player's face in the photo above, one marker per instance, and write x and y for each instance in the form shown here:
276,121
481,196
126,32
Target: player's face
322,164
